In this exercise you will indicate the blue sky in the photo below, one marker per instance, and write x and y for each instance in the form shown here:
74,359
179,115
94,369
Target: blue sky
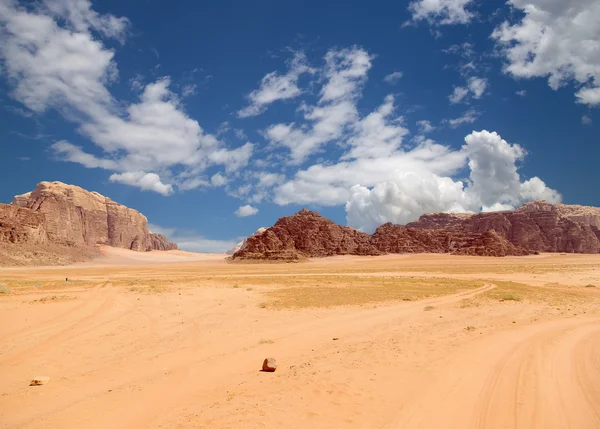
216,119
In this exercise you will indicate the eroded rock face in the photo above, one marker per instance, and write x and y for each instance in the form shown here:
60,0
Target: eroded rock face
534,227
306,234
71,216
537,226
242,243
391,238
21,225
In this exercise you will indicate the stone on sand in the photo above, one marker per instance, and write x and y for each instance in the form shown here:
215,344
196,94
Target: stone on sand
39,380
269,365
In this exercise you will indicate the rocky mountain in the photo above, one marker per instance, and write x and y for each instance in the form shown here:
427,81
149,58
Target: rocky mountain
532,228
391,238
242,243
305,234
69,216
537,226
308,234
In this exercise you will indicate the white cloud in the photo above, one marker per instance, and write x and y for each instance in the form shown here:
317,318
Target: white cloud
191,241
53,60
379,134
425,127
475,88
586,120
402,198
494,184
345,73
247,210
82,18
218,180
458,95
275,87
144,181
441,12
329,185
556,39
74,153
521,93
468,117
393,77
189,90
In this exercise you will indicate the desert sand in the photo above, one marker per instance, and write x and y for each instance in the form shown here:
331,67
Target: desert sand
177,340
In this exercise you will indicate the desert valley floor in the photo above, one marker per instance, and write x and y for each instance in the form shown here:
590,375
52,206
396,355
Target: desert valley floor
176,340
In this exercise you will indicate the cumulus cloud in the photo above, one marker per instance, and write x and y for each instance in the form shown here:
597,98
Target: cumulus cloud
275,86
393,77
468,117
144,181
494,184
441,12
475,88
53,61
247,210
329,184
586,120
425,127
559,40
345,72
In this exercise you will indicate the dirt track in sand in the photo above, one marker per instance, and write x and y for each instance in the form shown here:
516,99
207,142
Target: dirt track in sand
180,345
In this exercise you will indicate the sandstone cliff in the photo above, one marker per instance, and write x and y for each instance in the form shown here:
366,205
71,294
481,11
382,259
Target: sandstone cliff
537,226
69,216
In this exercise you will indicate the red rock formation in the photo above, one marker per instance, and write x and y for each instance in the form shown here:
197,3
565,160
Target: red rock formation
68,215
391,238
305,234
538,226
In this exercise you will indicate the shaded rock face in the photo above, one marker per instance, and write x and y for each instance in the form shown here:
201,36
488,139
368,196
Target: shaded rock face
20,225
242,243
71,216
305,234
537,226
534,227
391,238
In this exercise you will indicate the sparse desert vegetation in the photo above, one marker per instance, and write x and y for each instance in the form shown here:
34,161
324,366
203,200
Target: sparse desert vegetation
190,339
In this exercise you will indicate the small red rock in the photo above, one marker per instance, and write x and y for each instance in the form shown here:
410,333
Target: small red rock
269,365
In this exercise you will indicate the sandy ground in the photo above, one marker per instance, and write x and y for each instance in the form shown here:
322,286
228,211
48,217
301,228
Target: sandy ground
176,340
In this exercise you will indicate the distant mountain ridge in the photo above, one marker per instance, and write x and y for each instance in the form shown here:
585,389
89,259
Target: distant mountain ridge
534,227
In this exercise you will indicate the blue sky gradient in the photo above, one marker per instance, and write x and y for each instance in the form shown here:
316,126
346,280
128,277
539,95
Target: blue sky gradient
178,109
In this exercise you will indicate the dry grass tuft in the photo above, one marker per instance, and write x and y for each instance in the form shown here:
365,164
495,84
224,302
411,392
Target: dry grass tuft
51,298
4,289
149,289
366,290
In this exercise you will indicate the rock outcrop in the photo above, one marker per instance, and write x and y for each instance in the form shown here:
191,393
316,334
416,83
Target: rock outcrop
537,226
308,234
242,243
305,234
69,216
532,228
390,238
